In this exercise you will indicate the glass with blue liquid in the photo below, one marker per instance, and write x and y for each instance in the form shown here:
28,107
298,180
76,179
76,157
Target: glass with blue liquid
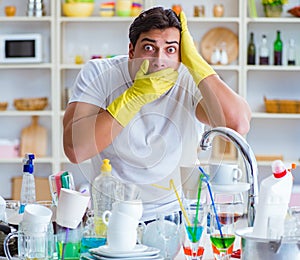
194,223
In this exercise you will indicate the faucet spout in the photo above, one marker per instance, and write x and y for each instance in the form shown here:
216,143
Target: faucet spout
248,157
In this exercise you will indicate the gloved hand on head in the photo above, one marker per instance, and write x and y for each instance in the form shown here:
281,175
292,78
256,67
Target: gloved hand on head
190,56
145,89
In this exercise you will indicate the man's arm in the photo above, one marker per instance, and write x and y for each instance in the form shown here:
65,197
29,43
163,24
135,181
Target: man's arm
88,130
220,105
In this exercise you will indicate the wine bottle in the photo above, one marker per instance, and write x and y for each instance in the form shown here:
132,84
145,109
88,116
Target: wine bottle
264,52
278,50
291,53
251,52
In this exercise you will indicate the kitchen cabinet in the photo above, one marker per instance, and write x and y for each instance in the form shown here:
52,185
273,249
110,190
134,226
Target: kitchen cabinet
67,37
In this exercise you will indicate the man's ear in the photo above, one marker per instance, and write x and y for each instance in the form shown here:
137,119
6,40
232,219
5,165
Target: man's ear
131,51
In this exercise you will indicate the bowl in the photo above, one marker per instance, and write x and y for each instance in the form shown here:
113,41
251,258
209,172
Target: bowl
31,103
3,106
78,9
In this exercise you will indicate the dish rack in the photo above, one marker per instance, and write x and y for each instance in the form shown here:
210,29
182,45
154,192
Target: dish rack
282,106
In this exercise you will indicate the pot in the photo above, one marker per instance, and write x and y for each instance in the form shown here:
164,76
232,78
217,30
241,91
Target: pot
266,249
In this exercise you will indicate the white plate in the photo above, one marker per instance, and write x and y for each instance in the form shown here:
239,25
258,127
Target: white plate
140,250
151,257
232,188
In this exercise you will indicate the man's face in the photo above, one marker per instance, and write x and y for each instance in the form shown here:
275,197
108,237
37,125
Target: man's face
160,47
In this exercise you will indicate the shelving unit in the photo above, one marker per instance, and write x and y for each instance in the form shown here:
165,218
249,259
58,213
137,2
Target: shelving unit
66,37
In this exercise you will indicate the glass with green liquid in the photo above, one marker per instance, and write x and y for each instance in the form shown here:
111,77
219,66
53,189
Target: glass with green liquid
222,234
68,243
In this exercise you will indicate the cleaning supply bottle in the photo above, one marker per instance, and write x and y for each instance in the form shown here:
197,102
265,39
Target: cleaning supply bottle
28,182
274,196
106,189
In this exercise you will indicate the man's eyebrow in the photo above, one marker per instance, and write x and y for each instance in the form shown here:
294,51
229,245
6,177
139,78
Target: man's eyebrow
151,40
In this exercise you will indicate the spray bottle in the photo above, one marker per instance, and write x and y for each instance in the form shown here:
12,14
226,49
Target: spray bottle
28,183
274,196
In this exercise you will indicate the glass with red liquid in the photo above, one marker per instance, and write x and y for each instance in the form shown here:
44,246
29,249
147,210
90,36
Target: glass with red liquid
187,247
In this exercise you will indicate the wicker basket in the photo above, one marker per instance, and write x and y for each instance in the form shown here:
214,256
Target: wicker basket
3,106
31,103
282,106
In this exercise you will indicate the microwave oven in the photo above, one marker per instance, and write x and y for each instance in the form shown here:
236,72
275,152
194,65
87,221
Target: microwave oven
21,48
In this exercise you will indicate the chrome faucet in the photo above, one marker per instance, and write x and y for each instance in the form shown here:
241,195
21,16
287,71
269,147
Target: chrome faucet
249,160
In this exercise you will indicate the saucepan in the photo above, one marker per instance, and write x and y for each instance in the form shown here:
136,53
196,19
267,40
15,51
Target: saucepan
267,249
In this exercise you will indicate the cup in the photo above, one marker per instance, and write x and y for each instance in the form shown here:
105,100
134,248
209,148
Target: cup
121,230
35,213
225,174
131,191
119,221
2,209
71,208
123,7
121,241
152,238
133,208
187,247
68,242
35,241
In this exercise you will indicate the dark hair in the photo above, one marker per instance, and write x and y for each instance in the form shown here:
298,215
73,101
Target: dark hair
154,18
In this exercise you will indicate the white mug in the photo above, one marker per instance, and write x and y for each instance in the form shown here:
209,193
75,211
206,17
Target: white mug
133,208
121,241
225,174
119,221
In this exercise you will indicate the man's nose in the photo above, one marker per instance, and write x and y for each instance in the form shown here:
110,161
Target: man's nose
159,60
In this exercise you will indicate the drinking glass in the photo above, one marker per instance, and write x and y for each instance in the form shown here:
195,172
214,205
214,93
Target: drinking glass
222,232
168,227
194,223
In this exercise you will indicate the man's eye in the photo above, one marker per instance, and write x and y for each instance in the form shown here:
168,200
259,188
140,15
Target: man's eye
171,50
148,48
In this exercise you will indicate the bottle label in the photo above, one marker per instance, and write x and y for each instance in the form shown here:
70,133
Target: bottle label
277,58
291,62
264,60
251,59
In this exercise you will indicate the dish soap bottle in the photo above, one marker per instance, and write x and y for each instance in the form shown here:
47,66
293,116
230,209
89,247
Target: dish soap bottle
28,182
106,189
274,196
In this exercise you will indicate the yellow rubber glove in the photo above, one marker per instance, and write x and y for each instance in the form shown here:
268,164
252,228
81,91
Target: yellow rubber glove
190,57
145,89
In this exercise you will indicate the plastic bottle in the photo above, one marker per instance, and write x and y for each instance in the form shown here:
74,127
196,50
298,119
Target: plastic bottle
278,50
251,52
291,53
28,182
106,189
264,52
274,196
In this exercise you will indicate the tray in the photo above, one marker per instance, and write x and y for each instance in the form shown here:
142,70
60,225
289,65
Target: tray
282,106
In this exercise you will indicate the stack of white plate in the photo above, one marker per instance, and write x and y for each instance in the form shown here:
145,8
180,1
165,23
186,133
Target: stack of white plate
140,252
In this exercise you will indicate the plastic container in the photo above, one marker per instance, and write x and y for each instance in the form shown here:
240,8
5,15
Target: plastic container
106,189
274,196
123,7
28,182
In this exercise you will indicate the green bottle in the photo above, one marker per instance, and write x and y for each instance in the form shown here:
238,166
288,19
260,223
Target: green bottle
251,52
278,50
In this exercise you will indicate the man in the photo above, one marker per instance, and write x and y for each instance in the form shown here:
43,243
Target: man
146,111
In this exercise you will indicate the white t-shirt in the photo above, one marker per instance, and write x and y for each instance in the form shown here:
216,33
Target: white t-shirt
163,135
